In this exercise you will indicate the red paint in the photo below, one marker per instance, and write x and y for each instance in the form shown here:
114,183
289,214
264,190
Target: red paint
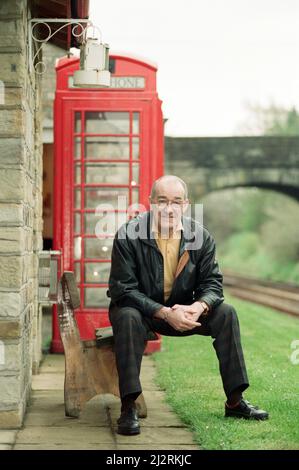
106,129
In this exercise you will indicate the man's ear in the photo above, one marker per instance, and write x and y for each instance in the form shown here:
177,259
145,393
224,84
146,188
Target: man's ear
185,205
150,202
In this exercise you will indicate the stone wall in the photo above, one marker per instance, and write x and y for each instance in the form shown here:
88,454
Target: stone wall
50,54
20,213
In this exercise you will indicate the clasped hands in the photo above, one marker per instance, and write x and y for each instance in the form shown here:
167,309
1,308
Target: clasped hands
183,317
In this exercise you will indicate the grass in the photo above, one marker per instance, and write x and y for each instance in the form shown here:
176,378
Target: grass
188,371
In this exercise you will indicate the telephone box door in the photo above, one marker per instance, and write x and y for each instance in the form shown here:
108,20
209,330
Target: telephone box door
103,172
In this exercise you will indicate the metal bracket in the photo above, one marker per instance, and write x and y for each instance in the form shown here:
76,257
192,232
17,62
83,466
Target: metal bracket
66,22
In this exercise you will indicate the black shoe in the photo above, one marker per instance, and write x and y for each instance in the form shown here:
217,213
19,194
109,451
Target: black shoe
246,410
128,423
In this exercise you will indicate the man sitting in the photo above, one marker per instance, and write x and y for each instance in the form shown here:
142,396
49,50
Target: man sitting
165,278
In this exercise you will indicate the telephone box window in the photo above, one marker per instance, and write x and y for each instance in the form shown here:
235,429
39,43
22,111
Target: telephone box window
103,148
107,123
94,197
77,174
77,272
135,128
97,248
97,223
135,173
77,148
77,122
113,173
96,273
77,247
95,296
77,223
135,196
98,173
77,198
135,148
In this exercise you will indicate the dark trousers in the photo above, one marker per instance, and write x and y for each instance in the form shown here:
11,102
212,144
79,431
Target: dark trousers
130,330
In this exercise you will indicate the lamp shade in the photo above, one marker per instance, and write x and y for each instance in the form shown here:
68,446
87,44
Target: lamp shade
94,65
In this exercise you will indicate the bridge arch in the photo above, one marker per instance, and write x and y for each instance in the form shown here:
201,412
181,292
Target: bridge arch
211,164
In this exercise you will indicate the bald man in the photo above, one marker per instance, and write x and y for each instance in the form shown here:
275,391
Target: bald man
165,278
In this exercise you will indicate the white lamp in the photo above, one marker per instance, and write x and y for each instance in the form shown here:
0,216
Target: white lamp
94,65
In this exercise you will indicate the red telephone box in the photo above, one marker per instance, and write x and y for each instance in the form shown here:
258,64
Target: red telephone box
108,143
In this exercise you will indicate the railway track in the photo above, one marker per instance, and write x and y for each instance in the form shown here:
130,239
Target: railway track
277,295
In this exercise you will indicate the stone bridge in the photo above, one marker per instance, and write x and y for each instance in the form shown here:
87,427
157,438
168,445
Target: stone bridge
213,163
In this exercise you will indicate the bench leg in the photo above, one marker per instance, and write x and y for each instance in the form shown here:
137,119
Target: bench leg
141,406
77,386
101,366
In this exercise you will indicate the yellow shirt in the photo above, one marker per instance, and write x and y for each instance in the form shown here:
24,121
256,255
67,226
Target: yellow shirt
169,248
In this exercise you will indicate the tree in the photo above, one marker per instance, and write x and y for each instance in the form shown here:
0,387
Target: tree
272,120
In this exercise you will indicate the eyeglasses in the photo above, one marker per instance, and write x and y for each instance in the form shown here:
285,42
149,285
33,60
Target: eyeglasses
174,204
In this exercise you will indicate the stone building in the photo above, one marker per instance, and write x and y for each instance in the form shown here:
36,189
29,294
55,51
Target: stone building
21,186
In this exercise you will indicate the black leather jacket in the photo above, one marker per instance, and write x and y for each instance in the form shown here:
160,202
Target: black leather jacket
137,272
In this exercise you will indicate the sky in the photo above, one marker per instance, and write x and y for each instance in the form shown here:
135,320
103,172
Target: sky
215,58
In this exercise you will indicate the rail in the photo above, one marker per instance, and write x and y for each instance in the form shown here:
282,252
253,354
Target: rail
280,296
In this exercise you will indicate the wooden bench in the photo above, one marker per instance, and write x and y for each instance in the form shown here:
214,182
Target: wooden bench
90,367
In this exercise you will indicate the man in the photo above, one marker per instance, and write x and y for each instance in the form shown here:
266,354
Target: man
165,278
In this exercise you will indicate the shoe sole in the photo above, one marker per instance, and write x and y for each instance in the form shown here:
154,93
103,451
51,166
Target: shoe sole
128,431
261,418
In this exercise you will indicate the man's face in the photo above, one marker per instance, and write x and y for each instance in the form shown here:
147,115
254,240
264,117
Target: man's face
168,205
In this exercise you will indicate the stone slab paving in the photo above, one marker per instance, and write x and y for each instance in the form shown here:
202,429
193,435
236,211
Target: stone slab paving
46,426
7,439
